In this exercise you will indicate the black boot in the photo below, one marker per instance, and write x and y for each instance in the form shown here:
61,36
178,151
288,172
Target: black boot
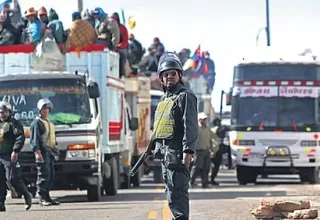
27,196
53,201
2,207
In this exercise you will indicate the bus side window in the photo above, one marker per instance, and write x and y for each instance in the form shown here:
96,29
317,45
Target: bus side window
96,108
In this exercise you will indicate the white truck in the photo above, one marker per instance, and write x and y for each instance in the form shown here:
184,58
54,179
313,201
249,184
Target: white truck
155,165
137,93
275,117
89,112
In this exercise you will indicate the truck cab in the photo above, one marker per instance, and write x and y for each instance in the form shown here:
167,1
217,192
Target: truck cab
89,114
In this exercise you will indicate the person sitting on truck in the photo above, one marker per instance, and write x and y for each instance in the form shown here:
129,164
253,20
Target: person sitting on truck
33,30
9,34
43,143
80,35
56,26
43,15
86,15
136,50
122,47
108,31
149,62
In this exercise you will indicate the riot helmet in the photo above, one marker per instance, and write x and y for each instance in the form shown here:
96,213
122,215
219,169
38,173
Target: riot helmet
5,106
169,61
44,103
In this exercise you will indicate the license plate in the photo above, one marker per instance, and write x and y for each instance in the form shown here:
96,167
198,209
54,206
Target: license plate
255,155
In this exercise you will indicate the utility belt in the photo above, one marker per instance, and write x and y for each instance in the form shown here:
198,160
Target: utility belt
172,159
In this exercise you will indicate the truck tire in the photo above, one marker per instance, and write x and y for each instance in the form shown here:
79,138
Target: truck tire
310,175
246,175
110,184
94,193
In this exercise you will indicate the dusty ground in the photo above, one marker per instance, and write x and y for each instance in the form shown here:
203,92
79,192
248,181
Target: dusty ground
225,202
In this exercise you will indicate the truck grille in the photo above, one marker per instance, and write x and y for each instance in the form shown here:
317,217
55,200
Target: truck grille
28,157
273,142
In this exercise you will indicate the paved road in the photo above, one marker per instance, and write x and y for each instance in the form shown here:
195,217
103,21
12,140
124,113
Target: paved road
148,202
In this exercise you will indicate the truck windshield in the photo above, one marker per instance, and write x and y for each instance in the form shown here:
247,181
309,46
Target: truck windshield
154,104
264,113
276,72
69,97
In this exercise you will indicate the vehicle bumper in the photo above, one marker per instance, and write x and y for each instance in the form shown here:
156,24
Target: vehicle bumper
67,173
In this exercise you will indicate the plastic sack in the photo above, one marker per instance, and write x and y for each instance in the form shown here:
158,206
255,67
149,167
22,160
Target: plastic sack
47,55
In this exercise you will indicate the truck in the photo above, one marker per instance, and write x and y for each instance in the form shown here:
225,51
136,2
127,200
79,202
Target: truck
154,164
137,95
89,114
275,116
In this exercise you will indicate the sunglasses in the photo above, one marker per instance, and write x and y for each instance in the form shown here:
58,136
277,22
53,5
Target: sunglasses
171,73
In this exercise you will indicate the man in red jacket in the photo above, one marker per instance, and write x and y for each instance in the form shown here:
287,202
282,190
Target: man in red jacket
123,44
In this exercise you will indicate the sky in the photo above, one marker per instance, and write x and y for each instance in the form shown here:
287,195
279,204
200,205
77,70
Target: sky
227,29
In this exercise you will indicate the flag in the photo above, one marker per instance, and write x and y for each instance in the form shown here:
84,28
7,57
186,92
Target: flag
193,61
202,67
132,22
123,17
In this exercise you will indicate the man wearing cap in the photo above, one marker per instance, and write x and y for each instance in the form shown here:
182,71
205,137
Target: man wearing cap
11,142
34,28
204,147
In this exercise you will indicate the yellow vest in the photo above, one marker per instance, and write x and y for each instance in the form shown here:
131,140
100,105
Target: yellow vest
164,122
49,136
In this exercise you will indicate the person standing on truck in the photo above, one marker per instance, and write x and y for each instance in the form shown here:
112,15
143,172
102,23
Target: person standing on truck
11,142
201,164
175,134
43,143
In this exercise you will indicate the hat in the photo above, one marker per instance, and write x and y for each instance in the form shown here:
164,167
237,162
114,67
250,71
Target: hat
202,115
31,11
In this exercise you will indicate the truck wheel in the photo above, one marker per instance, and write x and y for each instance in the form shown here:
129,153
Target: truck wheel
310,175
136,179
110,184
246,175
94,193
125,184
157,175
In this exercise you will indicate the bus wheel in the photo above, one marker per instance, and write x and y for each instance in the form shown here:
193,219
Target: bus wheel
246,175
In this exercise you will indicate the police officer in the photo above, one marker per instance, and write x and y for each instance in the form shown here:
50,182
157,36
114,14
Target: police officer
202,161
43,143
175,134
11,142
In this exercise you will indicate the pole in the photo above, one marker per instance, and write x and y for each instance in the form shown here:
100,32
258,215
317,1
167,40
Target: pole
80,5
268,23
221,103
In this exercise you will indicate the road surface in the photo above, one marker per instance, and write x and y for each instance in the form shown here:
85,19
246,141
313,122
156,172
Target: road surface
224,202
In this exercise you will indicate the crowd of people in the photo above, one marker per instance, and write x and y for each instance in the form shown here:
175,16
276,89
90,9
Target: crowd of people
88,27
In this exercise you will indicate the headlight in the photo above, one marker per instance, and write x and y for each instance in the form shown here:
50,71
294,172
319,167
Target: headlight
81,151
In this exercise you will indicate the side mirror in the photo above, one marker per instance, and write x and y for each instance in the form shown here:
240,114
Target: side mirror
133,124
93,90
228,97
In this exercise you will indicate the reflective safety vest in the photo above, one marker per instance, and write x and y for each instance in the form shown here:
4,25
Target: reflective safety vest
49,136
164,122
5,145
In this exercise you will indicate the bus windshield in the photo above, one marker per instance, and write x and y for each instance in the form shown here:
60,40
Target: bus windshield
69,97
265,108
258,72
